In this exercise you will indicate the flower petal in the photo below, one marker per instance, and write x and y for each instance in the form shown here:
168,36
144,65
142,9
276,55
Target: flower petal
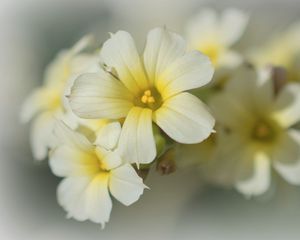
108,135
287,157
86,198
83,43
185,119
125,185
252,88
202,27
66,161
66,136
259,182
98,95
38,101
108,159
287,105
231,160
189,71
120,53
162,48
233,23
246,95
136,144
41,137
229,111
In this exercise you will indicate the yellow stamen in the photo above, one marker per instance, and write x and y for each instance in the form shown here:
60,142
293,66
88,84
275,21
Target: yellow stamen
144,99
147,97
151,100
147,93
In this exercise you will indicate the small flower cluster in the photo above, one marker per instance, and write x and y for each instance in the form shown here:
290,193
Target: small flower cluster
106,114
102,115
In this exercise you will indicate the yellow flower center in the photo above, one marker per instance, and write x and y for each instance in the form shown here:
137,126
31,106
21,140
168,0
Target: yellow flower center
149,98
263,131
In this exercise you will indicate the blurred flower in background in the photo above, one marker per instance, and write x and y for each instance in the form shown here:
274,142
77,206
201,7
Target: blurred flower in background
215,34
281,50
48,103
255,132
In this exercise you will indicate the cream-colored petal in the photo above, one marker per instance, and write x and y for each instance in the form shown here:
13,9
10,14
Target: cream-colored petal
233,23
287,105
86,198
63,67
41,136
231,160
125,185
66,136
230,112
39,100
108,135
67,161
286,157
247,95
83,43
84,63
98,95
136,144
185,119
260,181
108,159
230,59
58,71
119,52
202,27
251,88
162,48
189,71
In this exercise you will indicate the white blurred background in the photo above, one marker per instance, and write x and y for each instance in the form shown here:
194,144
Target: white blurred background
177,206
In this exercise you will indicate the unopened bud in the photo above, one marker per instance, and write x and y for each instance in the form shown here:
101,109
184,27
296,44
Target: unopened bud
159,139
166,163
279,78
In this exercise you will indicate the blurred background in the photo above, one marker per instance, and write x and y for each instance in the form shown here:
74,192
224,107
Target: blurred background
177,206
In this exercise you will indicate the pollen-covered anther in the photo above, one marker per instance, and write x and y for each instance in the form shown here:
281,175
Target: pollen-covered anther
147,97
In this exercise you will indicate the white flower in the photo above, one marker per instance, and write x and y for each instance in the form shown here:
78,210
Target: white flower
145,90
91,173
214,35
48,102
282,50
255,132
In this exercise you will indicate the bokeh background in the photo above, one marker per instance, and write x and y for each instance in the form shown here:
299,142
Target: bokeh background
177,206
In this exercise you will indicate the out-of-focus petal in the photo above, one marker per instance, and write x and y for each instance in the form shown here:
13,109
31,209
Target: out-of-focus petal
287,105
233,23
259,182
286,157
